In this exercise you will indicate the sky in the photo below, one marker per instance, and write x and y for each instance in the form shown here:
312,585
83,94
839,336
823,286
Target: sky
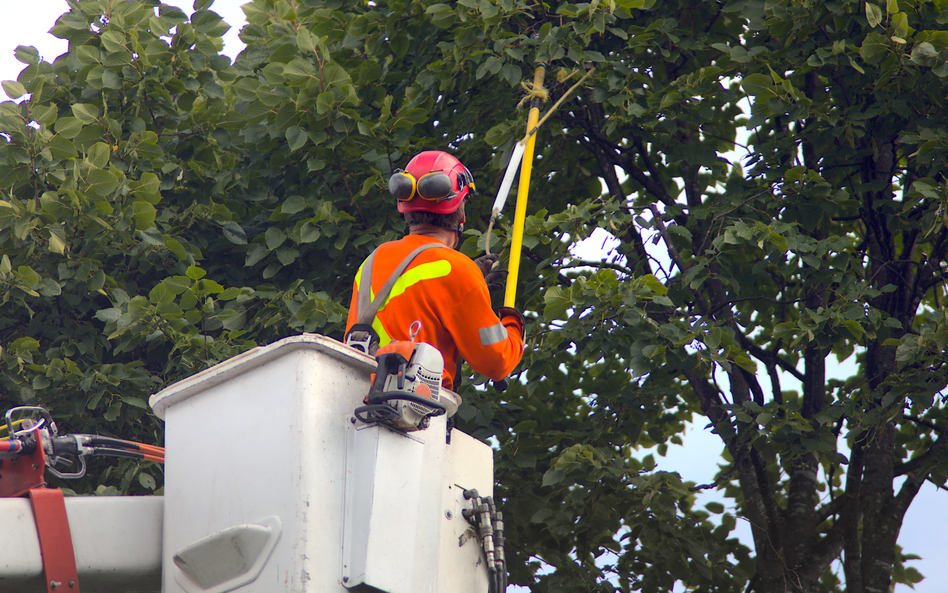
27,23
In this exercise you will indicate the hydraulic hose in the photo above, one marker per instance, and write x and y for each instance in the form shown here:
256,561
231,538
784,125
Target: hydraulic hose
21,446
484,516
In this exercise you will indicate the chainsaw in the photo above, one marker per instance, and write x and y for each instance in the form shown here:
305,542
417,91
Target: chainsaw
406,387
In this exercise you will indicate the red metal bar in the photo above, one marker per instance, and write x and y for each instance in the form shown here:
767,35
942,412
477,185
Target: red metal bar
55,539
23,472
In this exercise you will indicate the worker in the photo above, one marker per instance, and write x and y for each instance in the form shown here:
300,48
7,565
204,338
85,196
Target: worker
440,287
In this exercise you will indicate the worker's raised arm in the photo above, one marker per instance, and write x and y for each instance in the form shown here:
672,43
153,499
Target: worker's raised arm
491,344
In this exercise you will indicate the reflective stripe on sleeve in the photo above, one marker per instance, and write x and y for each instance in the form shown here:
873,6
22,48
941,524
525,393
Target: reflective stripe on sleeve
493,334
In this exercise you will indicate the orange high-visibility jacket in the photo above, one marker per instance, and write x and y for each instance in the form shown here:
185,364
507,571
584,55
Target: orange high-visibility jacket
445,290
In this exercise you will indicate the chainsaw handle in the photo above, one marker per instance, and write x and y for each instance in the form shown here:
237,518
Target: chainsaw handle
439,408
388,364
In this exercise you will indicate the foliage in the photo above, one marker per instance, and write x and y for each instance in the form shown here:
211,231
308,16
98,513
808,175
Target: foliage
163,209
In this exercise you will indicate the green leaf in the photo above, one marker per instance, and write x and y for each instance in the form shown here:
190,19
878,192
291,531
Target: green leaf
68,127
654,284
208,286
324,102
88,55
743,361
135,401
309,232
175,247
234,233
553,476
113,41
85,113
255,254
873,14
13,89
44,114
25,345
102,182
144,214
296,138
146,480
525,460
299,72
557,303
111,80
275,237
195,273
57,238
305,40
758,84
146,186
923,53
28,275
855,66
26,54
98,155
874,48
334,74
293,204
899,23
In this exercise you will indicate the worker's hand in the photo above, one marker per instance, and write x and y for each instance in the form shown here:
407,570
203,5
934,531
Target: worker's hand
510,316
494,278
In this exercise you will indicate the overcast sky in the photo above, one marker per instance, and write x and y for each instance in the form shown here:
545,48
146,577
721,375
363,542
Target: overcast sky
27,23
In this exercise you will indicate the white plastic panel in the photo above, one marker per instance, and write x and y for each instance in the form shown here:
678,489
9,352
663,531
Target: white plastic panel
229,559
264,435
117,542
384,471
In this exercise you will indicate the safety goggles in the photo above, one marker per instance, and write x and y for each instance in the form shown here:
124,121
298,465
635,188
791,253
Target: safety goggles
434,186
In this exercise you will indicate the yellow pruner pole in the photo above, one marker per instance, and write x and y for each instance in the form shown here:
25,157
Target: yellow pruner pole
523,191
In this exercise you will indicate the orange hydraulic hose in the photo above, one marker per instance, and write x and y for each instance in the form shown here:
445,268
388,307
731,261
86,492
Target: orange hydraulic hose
151,449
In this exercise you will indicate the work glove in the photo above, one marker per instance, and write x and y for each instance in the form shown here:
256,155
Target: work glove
510,316
495,279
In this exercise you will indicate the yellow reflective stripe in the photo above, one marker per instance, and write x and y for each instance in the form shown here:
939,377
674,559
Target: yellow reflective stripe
384,338
426,271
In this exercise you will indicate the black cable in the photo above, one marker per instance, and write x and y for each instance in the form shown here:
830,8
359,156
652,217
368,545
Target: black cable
101,440
115,452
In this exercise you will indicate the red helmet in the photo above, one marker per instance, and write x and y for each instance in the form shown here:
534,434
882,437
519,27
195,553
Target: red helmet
433,181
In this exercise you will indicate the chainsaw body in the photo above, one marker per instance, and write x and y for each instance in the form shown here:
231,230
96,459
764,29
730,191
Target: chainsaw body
406,387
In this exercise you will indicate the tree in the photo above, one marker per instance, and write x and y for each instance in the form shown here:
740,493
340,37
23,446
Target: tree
164,209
